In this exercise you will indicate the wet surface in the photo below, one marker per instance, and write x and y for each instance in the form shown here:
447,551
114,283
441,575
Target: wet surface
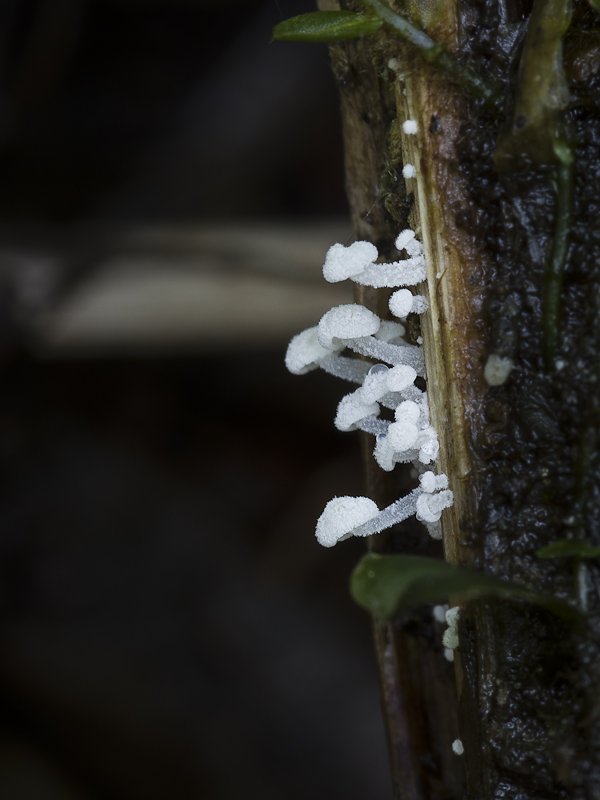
535,447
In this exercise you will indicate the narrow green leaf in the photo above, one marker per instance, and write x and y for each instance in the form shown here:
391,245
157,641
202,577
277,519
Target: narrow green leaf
569,547
326,26
384,584
595,4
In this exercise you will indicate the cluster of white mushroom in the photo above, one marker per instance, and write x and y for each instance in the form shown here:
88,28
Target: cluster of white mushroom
390,382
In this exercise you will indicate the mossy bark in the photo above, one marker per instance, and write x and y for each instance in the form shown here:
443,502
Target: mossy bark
522,457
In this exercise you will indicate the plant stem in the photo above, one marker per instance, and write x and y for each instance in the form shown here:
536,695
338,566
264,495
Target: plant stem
553,280
435,53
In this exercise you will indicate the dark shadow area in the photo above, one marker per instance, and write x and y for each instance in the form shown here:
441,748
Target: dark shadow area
169,627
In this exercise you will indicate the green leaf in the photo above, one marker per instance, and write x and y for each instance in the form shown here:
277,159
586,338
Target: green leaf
384,584
326,26
569,547
595,4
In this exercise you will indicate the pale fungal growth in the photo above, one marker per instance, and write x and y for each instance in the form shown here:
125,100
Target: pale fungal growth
359,263
359,329
457,747
408,171
346,262
497,369
304,354
448,654
341,517
404,302
439,613
409,127
430,506
450,639
390,383
346,322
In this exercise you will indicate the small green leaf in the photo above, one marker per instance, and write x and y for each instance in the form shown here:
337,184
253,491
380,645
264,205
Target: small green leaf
595,4
326,26
569,547
384,584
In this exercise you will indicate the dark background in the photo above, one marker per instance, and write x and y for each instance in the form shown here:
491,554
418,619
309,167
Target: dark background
169,627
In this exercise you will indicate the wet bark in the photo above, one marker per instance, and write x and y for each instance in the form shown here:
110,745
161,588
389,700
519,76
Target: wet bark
522,457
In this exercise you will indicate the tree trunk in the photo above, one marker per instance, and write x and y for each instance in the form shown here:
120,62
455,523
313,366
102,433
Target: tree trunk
521,455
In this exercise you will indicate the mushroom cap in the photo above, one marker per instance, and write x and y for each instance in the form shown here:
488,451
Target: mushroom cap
341,516
401,303
351,409
374,386
408,411
345,262
346,322
304,352
402,435
404,238
414,248
400,377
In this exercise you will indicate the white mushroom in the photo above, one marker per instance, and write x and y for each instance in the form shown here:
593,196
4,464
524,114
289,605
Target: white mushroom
347,262
346,322
305,352
353,410
404,302
341,516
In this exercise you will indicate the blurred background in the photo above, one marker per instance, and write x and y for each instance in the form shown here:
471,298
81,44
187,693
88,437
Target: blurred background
169,628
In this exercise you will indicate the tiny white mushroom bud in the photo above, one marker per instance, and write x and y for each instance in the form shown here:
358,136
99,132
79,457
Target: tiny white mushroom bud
401,303
439,613
408,171
497,369
304,352
427,481
448,654
346,262
341,516
457,747
346,322
409,127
